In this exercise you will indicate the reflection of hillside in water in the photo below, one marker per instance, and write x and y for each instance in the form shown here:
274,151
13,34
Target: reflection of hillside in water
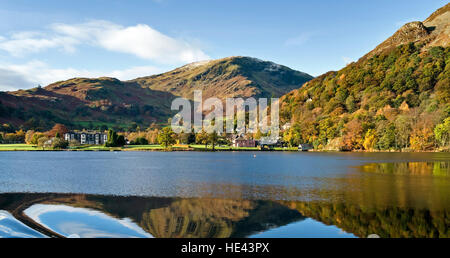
197,217
172,217
216,218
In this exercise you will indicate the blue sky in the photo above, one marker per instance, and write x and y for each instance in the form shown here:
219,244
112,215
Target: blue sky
46,41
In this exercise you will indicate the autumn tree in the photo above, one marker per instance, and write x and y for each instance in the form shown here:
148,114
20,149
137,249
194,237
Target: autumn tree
257,135
152,135
326,131
58,129
29,136
370,140
293,136
353,138
421,139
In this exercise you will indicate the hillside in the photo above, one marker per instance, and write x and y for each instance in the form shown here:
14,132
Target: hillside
228,77
392,98
92,103
84,103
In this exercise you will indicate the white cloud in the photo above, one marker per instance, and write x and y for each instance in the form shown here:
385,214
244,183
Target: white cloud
26,42
31,74
140,40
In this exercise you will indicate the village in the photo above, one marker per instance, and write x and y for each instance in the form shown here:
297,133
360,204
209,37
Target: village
153,138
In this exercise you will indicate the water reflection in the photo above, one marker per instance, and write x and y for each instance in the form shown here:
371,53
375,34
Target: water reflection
440,168
113,216
76,222
387,222
305,229
10,227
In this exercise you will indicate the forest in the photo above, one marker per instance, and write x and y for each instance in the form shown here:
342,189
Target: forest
396,100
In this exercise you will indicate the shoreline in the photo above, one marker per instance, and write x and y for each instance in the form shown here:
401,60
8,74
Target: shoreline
150,148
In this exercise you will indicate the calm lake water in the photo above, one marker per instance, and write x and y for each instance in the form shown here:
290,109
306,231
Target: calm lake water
224,194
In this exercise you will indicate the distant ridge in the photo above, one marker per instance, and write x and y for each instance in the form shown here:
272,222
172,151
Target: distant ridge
95,102
228,77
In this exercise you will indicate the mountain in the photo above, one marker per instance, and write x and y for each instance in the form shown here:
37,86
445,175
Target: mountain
434,31
84,103
91,103
391,98
228,77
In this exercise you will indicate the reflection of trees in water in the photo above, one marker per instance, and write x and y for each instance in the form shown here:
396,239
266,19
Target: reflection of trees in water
409,168
421,185
216,218
393,222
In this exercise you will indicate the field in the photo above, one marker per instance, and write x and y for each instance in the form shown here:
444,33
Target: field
17,147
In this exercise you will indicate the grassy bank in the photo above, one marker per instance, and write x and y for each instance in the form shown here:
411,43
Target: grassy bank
17,147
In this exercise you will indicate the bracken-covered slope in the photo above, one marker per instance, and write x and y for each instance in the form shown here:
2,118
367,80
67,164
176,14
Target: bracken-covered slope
84,103
393,97
228,77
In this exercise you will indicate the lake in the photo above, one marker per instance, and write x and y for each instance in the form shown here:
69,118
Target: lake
224,194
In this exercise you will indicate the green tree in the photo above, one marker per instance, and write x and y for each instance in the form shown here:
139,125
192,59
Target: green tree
166,137
35,138
191,138
115,140
442,133
112,139
350,104
202,138
140,141
121,141
387,138
403,128
213,138
59,144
